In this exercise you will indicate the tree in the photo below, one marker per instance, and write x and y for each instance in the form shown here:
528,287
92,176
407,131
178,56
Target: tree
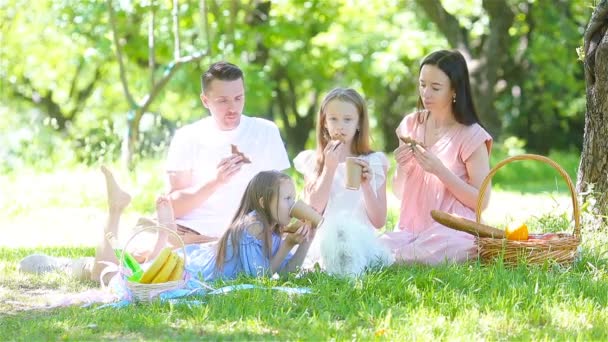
593,168
139,107
486,56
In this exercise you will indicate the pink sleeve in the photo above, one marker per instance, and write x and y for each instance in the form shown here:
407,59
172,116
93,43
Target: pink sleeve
475,136
406,126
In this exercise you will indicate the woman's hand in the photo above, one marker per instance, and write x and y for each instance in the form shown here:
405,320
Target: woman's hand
404,155
428,161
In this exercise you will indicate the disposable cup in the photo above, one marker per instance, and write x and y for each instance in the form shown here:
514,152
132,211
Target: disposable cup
303,211
353,174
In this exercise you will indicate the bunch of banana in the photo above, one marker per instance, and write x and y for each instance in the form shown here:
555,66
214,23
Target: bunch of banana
167,266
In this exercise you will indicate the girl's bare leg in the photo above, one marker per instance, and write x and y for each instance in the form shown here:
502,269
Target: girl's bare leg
118,199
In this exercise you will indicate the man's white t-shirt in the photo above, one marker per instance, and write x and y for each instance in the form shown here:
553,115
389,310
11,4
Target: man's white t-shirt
201,145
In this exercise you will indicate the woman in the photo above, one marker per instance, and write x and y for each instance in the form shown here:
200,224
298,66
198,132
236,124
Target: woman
441,166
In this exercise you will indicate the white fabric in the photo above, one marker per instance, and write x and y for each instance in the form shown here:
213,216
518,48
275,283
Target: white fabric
201,145
346,242
340,198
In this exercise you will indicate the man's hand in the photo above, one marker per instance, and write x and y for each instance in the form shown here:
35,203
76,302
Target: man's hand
228,167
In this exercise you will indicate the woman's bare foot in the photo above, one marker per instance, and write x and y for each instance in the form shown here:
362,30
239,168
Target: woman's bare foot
118,199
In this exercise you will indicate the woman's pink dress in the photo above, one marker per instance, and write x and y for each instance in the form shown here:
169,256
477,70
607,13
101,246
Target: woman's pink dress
418,237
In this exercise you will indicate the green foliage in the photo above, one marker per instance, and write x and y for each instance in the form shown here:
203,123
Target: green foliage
529,175
292,53
547,94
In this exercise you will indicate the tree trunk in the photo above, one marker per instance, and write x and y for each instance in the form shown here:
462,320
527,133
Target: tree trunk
592,179
486,58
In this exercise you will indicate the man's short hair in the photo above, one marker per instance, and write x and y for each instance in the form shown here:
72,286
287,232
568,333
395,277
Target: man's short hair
222,71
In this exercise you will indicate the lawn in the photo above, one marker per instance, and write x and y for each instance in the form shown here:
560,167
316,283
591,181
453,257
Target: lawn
62,214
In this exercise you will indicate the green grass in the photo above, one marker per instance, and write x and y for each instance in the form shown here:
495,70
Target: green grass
62,213
462,302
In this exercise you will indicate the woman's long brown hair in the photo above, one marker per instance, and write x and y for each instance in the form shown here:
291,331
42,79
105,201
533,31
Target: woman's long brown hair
265,186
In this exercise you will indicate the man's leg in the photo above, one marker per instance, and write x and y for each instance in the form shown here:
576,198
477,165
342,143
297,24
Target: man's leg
190,236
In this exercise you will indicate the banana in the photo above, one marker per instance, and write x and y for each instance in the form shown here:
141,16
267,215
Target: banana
163,274
158,263
178,271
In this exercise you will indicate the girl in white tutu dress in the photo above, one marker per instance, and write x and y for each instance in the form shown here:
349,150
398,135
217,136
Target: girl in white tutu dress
346,242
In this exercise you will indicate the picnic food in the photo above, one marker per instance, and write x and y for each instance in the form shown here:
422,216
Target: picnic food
467,226
339,137
517,232
235,150
166,267
178,271
165,272
411,141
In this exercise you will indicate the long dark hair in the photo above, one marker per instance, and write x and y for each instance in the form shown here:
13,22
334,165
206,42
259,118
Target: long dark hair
257,197
453,64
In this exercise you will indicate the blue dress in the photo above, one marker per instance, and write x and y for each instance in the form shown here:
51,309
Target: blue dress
251,259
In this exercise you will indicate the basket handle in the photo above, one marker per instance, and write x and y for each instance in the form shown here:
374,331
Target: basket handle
562,172
158,228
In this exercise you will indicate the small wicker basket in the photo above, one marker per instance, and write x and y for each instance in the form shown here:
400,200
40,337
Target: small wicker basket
562,250
147,292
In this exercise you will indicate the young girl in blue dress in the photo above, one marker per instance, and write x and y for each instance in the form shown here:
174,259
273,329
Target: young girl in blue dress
254,243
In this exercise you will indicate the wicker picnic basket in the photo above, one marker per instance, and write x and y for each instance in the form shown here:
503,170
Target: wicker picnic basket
561,250
147,292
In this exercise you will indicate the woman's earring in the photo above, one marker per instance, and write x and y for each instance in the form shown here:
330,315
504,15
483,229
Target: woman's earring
454,98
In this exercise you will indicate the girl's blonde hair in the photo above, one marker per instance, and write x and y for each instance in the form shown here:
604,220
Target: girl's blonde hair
260,192
361,145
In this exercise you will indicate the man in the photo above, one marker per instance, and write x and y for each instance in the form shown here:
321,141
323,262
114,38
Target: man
206,178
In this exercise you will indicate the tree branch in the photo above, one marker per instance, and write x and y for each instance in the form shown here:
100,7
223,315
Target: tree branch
44,102
151,47
171,69
204,13
75,78
84,94
281,101
176,44
496,48
123,75
446,23
292,96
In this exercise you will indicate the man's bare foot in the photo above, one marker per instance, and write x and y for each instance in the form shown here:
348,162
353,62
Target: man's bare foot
165,217
118,199
164,213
